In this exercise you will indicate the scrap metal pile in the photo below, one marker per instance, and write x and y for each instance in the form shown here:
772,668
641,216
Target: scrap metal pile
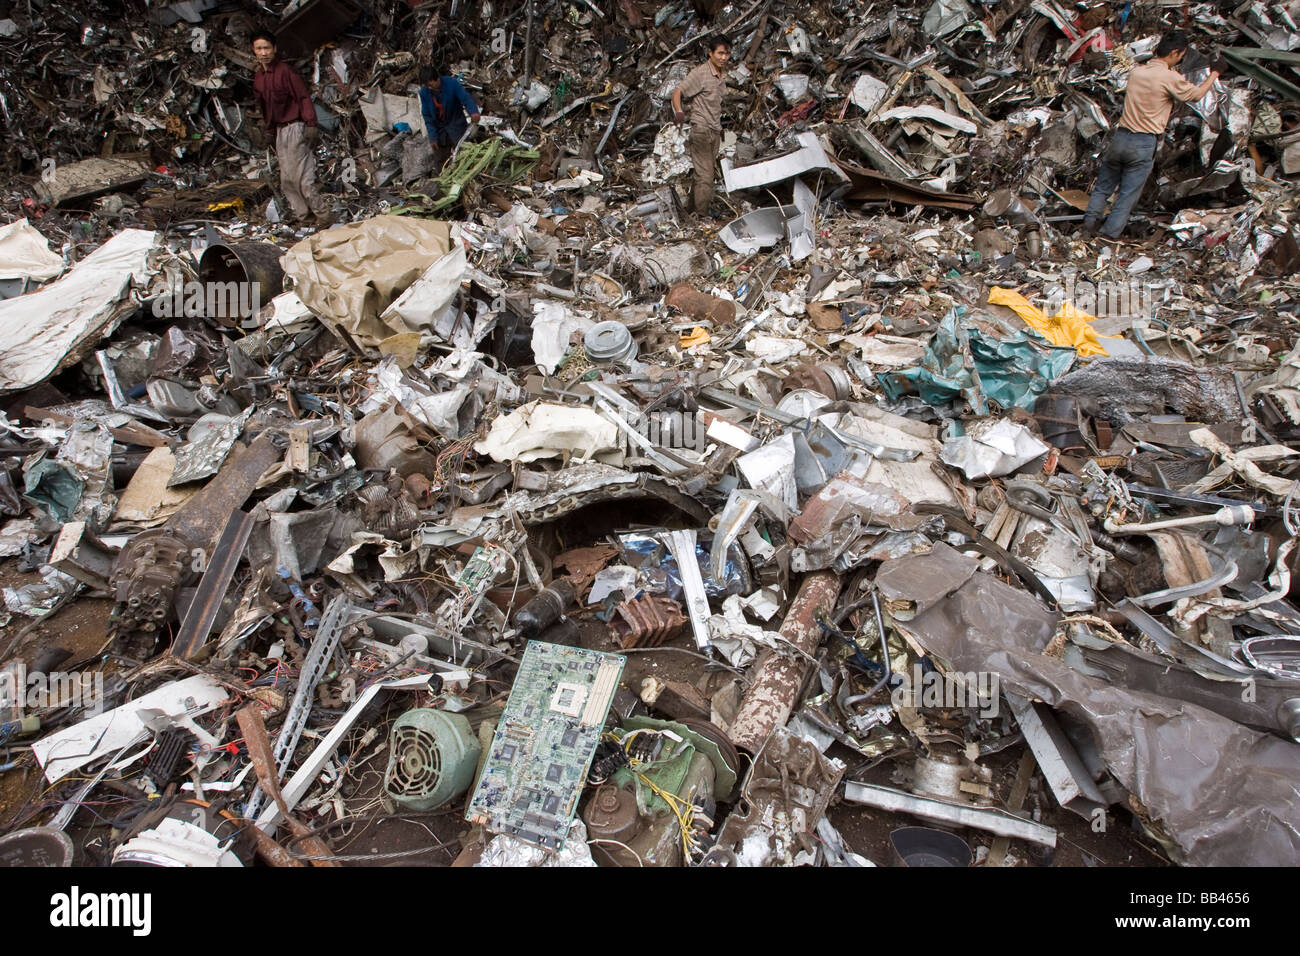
522,520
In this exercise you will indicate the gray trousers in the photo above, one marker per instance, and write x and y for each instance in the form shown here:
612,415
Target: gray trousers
1125,166
298,171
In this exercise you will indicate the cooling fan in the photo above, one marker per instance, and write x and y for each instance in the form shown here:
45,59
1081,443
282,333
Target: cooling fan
432,757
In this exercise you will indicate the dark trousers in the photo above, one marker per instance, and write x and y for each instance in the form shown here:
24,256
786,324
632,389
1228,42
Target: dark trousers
702,148
1125,166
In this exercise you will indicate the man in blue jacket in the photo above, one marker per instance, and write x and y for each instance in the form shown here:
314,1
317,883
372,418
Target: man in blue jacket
444,104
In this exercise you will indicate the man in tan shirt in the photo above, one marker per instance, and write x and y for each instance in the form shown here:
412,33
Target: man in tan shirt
704,86
1153,88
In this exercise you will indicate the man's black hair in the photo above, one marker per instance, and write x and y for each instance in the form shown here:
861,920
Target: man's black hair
264,35
428,73
716,40
1171,42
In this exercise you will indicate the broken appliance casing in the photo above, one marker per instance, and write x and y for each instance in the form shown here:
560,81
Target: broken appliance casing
624,834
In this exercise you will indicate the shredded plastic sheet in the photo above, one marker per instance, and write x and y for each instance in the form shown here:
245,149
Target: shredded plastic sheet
1068,327
1012,371
545,430
25,254
45,331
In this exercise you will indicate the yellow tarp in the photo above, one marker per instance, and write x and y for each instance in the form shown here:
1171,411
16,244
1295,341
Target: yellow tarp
1068,327
697,336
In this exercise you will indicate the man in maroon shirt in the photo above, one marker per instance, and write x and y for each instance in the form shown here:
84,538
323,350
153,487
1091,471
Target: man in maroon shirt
289,115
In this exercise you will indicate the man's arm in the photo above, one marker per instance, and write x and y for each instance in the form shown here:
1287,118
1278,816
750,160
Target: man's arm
678,114
429,113
306,108
1187,93
692,85
467,102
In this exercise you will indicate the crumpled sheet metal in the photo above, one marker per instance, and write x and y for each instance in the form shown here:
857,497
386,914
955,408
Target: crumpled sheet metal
847,496
1224,793
669,158
204,457
350,274
990,449
25,254
45,331
810,156
1012,371
505,850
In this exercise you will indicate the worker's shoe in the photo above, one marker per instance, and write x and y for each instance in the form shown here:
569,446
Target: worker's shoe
1088,229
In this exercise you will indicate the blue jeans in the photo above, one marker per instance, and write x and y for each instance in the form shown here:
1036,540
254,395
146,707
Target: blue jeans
1126,164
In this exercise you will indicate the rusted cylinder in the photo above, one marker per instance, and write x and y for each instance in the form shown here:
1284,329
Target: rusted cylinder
700,305
239,278
777,677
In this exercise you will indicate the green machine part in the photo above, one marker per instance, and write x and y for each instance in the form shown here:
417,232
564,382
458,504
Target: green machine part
432,758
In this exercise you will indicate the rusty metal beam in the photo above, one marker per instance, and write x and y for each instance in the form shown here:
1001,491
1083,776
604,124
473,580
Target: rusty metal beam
202,518
778,676
259,752
271,852
197,626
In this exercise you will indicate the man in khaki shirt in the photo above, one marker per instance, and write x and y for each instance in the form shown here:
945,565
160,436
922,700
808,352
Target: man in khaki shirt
1153,88
704,86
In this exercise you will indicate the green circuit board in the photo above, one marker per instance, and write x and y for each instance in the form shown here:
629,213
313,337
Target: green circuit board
544,743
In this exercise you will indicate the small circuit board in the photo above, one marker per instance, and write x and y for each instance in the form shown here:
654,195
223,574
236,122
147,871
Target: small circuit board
544,743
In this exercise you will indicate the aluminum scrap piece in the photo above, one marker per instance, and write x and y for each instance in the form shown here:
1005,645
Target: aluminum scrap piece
739,509
318,660
682,546
1061,764
988,819
199,459
853,441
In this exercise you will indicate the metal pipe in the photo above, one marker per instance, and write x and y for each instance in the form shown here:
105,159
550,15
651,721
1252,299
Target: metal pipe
1196,588
928,808
1227,515
771,698
528,46
884,655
